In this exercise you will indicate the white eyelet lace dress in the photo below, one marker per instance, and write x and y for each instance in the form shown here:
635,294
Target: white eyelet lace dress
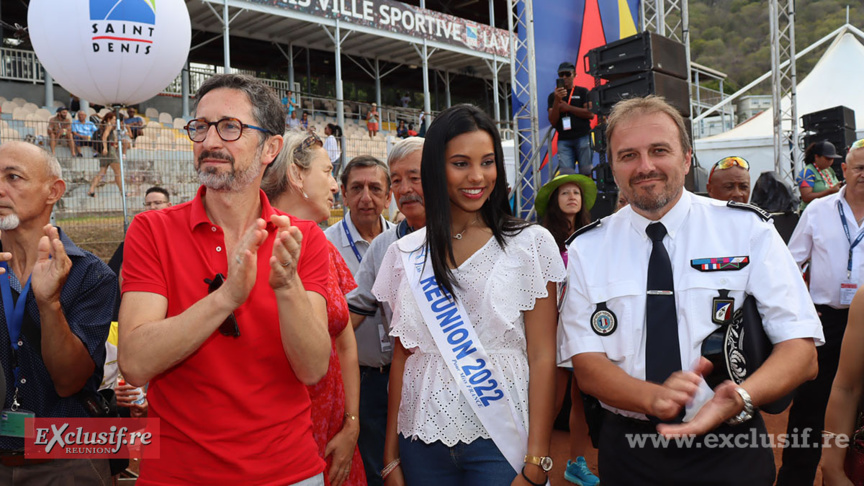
495,286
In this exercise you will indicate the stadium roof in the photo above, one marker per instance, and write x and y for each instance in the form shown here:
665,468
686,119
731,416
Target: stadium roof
288,21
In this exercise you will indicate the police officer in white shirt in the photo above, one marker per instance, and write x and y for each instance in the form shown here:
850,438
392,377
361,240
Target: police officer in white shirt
829,236
635,333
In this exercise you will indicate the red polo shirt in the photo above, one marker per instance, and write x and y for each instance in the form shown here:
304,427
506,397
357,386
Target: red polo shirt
233,412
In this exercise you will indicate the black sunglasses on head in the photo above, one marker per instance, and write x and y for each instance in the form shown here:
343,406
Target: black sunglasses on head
229,327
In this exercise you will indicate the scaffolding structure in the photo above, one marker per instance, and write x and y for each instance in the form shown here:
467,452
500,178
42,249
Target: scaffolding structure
787,152
523,73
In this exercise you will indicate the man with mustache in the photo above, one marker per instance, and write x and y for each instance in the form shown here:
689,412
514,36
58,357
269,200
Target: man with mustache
57,301
368,316
648,285
223,309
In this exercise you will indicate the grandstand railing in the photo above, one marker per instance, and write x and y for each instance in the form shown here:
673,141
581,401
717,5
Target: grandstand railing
20,65
161,156
23,65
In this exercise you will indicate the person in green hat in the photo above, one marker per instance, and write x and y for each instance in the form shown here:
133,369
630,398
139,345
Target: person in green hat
563,206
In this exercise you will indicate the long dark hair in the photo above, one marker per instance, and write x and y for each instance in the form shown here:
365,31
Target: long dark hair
558,223
495,212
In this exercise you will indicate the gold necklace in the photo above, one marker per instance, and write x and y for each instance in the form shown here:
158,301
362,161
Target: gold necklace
458,236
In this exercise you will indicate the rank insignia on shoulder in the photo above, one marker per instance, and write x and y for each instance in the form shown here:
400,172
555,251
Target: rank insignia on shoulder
765,215
583,230
722,308
603,320
720,264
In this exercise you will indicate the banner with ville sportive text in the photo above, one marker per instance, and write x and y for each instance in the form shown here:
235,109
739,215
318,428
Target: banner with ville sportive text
402,18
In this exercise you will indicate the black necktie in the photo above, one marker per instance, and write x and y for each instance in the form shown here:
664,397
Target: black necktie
662,353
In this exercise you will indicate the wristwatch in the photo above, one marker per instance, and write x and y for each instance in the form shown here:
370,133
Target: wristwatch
545,463
747,413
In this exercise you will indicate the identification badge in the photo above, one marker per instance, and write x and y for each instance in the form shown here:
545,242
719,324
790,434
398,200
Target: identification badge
384,339
12,422
565,123
847,291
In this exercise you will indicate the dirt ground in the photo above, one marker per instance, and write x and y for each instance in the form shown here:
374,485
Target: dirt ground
776,424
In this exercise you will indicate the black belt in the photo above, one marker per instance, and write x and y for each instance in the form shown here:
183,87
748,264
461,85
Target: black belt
378,369
15,458
630,421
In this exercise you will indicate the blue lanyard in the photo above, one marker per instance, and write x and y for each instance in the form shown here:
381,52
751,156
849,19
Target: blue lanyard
351,240
14,311
852,244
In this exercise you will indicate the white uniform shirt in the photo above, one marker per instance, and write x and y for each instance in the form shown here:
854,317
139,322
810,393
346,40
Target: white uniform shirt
609,264
819,237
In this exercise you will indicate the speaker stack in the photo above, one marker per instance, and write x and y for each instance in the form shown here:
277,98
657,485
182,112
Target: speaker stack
639,65
836,125
636,66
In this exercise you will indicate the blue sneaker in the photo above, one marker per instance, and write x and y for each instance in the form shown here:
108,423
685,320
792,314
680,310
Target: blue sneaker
578,473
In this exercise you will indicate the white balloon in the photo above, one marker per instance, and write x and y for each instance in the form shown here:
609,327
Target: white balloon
111,51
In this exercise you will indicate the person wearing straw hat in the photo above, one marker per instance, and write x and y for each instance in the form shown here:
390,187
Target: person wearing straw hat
563,206
729,180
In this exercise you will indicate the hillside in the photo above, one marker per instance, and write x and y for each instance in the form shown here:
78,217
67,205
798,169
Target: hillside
732,36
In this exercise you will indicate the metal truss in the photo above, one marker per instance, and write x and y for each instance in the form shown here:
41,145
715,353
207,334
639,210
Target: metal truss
523,73
787,152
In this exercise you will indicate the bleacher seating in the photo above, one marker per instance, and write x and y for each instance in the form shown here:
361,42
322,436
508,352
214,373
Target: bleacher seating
152,113
166,119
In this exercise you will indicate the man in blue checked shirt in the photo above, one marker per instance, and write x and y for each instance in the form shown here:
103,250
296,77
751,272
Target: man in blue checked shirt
83,130
57,301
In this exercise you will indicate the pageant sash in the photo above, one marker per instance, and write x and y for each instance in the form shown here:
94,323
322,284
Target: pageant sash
480,383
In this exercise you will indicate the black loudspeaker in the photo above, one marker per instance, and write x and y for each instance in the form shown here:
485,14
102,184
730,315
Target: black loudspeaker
646,51
830,119
675,90
605,204
598,138
842,138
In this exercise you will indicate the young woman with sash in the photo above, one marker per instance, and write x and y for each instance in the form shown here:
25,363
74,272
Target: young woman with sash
472,383
563,207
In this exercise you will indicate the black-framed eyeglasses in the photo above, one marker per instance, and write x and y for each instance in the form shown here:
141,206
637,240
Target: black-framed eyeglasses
229,327
307,143
229,129
565,74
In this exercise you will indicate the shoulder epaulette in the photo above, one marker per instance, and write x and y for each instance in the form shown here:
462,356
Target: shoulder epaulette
582,230
756,209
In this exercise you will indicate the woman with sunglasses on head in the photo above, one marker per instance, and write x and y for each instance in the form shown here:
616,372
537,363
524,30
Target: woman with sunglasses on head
474,317
563,207
300,182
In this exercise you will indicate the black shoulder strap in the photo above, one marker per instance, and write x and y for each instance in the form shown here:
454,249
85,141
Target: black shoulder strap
756,209
582,231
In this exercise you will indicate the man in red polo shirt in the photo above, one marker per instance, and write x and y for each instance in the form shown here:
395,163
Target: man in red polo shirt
223,309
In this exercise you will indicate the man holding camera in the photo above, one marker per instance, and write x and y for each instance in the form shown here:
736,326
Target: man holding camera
569,114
